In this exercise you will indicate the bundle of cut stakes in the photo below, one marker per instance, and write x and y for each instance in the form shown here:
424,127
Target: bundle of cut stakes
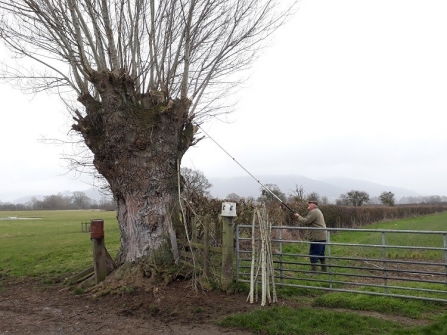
262,260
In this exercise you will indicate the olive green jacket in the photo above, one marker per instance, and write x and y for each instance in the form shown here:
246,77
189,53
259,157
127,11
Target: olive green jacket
314,219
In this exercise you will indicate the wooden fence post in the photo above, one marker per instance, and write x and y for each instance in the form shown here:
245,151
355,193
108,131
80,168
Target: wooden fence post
206,247
217,227
103,264
99,252
100,264
228,213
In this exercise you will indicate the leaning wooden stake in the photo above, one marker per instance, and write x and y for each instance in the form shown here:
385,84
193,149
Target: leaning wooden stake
264,260
267,257
271,267
253,294
253,259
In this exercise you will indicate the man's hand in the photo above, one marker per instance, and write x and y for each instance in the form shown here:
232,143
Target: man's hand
296,215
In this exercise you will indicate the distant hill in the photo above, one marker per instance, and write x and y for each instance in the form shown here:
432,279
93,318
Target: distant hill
331,188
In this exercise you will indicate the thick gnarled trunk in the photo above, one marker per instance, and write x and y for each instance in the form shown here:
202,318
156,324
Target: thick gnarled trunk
137,142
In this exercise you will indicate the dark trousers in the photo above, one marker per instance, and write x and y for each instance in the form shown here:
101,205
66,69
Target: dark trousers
316,251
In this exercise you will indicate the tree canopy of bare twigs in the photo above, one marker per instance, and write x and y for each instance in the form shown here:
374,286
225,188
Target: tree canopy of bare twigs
144,73
188,49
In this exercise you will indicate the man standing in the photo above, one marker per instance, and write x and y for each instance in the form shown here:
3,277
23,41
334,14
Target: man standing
317,237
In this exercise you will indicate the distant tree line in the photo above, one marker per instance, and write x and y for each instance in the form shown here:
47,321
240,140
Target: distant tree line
195,187
357,198
78,200
353,209
431,200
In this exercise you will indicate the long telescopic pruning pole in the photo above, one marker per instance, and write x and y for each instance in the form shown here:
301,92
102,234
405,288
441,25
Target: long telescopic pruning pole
265,188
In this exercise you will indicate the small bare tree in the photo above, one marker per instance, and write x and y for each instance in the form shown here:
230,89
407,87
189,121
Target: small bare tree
313,196
144,74
387,198
298,193
80,200
270,194
354,197
195,183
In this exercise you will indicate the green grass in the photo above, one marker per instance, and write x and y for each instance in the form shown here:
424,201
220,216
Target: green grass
307,321
311,321
393,306
52,245
435,222
319,312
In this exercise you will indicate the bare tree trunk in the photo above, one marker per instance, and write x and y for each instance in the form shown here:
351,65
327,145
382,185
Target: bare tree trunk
136,142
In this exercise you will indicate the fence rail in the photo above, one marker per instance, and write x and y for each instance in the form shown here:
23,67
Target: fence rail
397,263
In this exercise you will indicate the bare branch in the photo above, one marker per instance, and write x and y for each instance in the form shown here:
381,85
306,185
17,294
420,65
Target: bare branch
110,35
181,55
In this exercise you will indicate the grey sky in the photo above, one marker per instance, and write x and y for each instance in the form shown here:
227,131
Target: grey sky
349,89
352,89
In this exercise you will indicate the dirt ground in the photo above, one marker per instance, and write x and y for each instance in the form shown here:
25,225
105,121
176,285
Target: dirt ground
43,309
33,308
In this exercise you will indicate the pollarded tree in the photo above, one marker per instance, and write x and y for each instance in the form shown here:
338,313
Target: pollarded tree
144,74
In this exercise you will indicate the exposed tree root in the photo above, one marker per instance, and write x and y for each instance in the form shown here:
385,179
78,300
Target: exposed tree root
142,274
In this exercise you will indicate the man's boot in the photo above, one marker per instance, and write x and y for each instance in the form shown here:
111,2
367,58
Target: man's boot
313,270
323,265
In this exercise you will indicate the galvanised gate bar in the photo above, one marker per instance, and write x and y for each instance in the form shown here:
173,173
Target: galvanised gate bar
397,263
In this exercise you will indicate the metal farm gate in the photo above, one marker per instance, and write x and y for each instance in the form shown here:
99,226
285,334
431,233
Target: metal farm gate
396,263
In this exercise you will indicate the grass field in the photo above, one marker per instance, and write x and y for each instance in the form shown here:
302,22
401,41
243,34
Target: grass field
50,244
435,222
309,319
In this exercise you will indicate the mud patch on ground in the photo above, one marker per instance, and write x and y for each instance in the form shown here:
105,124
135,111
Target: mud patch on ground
177,308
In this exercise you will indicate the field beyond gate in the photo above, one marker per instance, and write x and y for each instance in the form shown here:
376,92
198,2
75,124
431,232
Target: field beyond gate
398,262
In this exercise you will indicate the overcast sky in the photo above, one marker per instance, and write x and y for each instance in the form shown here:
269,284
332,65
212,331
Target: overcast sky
352,89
